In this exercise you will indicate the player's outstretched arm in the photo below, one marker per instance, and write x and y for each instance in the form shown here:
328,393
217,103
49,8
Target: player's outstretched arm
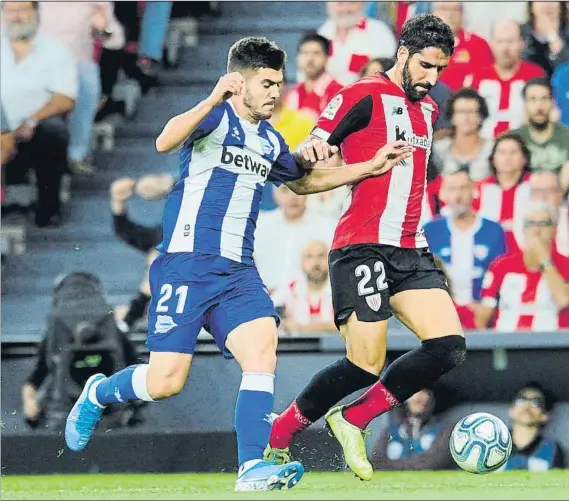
179,128
319,178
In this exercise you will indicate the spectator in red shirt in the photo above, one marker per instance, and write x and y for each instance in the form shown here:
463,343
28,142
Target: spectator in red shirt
501,84
529,288
355,39
317,87
503,196
469,48
545,187
307,298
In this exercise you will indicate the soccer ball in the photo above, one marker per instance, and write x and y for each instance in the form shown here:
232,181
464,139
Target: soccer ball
480,443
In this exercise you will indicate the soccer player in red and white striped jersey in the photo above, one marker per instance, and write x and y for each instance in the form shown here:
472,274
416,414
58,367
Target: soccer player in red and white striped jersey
530,288
380,264
501,83
503,196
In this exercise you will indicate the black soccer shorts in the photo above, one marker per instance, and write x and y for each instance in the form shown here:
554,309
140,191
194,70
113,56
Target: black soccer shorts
365,276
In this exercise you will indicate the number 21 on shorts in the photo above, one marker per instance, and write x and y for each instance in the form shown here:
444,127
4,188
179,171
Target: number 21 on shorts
165,295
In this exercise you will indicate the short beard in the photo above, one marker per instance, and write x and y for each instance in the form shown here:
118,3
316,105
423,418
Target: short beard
409,88
458,211
317,279
255,115
17,32
538,125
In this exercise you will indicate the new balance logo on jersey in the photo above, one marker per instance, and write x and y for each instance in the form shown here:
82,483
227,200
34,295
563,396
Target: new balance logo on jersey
397,111
245,161
413,140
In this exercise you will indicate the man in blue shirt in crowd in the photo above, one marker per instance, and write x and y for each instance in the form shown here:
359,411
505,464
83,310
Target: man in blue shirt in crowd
465,242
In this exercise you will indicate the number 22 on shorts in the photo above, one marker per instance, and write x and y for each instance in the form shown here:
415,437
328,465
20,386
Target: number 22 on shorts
364,271
166,294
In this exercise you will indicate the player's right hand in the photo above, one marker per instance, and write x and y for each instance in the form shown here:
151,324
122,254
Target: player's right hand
389,156
227,86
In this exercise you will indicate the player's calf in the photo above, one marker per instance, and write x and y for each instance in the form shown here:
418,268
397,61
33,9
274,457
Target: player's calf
253,344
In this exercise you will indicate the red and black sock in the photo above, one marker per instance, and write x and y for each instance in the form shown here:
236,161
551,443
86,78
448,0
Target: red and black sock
327,388
406,376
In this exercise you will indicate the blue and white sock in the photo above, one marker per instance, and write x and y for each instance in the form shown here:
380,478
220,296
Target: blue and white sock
124,386
253,417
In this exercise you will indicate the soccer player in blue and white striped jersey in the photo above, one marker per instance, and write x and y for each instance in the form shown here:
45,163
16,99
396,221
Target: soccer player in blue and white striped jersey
205,276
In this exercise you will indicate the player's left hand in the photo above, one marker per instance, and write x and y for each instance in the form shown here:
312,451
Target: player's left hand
317,150
389,156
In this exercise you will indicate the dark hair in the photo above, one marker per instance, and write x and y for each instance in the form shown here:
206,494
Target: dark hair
386,64
508,136
253,53
312,36
562,16
426,30
539,81
548,400
467,93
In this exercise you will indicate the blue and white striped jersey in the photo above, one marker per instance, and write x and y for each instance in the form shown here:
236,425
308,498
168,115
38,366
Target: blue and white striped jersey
466,254
224,165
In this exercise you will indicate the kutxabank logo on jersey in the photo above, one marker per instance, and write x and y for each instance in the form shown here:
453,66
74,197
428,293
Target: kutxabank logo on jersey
242,161
413,139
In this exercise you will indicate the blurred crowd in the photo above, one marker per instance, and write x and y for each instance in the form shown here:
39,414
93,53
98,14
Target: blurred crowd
495,211
68,68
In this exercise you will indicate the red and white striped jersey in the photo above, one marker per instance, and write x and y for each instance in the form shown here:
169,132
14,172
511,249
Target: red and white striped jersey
523,297
562,237
315,100
304,305
361,119
369,39
503,97
504,206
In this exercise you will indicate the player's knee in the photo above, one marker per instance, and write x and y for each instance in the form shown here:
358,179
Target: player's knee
366,360
366,347
260,361
165,386
449,350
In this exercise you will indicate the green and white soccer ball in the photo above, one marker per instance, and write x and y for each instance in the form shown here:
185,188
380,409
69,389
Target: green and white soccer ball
480,443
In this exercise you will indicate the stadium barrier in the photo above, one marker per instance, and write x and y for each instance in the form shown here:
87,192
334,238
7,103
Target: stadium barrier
194,431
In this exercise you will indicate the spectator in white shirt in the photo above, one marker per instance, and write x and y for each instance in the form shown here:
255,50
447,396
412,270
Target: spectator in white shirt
39,85
282,234
307,300
355,39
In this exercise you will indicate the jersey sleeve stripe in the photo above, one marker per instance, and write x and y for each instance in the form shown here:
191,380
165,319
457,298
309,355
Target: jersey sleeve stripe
320,133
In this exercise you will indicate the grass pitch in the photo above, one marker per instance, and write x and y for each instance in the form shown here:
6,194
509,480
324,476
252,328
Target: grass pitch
389,485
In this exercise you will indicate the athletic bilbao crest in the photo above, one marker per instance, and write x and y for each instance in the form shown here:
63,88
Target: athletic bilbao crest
374,301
